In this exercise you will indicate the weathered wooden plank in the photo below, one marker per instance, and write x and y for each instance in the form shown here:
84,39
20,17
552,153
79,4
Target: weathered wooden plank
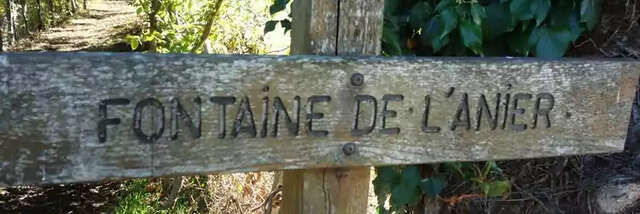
360,28
314,27
357,31
50,112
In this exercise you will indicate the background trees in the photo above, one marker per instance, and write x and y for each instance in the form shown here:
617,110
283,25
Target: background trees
21,18
196,26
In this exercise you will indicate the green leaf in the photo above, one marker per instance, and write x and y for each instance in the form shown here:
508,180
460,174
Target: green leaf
564,14
560,12
519,42
433,186
575,27
499,20
590,13
478,13
392,41
540,9
521,9
386,177
496,188
419,14
286,24
134,41
407,191
491,167
151,36
278,5
392,7
270,26
382,210
444,4
551,42
471,36
529,9
431,34
450,20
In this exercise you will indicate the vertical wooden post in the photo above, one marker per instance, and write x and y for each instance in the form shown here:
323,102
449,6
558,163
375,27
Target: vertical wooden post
332,27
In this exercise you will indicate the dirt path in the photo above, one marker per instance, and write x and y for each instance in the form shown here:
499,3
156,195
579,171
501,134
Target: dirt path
101,28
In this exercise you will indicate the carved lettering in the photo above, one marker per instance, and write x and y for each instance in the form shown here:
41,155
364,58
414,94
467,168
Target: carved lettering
137,120
538,111
483,108
265,116
461,118
292,126
355,131
244,111
244,122
389,113
518,111
425,118
315,115
506,111
179,113
104,119
223,102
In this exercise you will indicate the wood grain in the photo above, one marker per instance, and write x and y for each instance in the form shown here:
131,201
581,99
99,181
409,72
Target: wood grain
49,112
314,27
360,28
349,28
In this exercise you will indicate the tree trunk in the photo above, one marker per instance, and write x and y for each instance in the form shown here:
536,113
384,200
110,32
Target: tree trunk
10,26
24,17
66,9
84,4
51,7
1,34
206,31
39,15
74,6
153,23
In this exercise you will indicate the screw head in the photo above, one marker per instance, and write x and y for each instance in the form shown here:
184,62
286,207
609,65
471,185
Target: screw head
349,149
357,79
509,86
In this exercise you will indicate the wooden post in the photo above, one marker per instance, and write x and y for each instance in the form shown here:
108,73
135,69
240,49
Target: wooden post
332,27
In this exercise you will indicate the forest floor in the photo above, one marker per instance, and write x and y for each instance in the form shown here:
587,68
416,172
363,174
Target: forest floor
102,27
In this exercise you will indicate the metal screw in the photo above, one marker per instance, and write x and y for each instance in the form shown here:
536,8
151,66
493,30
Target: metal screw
357,79
509,86
349,149
265,88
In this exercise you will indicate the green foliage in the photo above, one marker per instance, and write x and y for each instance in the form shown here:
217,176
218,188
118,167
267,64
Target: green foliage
143,196
141,201
542,28
180,25
174,25
405,186
276,7
433,186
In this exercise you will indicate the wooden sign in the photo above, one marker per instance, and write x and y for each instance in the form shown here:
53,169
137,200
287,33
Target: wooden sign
87,117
